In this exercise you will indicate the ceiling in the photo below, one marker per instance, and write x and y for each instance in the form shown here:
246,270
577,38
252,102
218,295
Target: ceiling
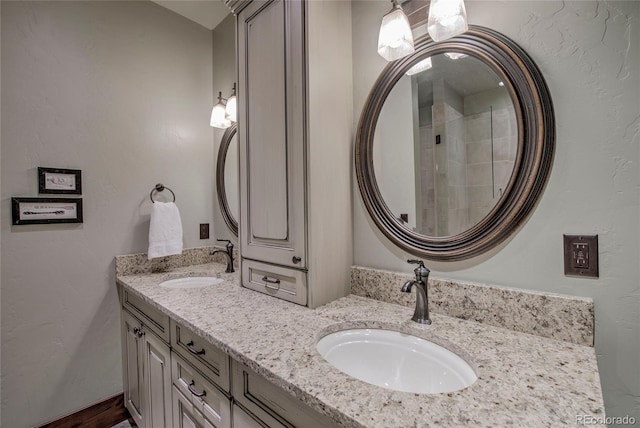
208,13
457,74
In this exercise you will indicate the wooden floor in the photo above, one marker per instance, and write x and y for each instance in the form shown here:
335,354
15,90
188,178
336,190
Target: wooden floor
102,414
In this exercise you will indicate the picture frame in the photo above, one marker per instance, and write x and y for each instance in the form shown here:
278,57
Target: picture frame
46,210
59,181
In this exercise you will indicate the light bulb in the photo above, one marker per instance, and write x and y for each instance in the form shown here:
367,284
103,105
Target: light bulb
395,39
455,55
423,65
231,109
447,18
218,114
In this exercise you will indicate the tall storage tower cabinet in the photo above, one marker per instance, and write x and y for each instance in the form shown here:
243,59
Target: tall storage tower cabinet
295,128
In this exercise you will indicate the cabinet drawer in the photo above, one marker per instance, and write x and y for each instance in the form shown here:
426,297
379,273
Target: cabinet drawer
184,413
210,360
277,281
210,402
274,406
150,316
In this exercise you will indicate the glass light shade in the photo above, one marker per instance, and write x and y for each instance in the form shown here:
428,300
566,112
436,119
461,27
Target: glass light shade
231,111
395,39
218,119
447,18
423,65
455,55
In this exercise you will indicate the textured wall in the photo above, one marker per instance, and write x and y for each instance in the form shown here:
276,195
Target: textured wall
122,91
588,53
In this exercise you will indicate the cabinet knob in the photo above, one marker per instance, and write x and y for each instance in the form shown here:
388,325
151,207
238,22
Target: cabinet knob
296,260
138,331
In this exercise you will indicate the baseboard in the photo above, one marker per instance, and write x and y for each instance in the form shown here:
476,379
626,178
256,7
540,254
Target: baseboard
104,414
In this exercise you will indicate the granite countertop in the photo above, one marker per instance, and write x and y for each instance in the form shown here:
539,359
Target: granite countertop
523,380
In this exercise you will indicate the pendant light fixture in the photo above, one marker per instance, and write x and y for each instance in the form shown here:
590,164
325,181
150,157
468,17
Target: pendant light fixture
225,112
395,39
447,18
218,113
231,108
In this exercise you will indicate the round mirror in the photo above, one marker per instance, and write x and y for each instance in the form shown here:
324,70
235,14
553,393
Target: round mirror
455,144
227,178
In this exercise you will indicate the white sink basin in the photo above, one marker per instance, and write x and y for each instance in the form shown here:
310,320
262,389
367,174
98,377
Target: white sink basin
397,361
192,282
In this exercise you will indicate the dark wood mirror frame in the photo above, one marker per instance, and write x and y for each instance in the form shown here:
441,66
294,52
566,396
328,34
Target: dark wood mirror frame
228,135
536,142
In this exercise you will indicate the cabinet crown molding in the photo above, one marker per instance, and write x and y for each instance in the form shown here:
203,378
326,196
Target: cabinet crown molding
236,5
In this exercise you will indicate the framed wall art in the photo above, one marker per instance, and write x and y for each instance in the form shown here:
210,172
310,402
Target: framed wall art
46,210
59,181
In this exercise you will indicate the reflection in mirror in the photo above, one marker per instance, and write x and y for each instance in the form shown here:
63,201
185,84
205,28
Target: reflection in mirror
445,145
227,178
231,176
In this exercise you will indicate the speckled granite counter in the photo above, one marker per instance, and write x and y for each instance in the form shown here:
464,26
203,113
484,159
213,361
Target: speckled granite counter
523,380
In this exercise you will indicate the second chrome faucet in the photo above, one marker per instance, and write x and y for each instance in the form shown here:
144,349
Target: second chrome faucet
421,314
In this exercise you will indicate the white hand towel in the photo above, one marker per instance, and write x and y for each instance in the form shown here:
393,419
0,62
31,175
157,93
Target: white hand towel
165,230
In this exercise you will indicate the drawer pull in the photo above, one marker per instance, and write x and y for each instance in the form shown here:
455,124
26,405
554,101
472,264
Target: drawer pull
268,281
193,350
194,392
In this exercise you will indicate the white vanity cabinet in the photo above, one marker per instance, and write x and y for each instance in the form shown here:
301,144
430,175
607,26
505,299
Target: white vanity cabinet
146,372
187,382
295,131
272,406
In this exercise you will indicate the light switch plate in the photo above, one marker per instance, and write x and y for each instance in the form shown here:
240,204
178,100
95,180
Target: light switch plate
581,255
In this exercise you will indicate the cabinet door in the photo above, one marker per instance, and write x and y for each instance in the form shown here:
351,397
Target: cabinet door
133,368
272,132
242,419
157,381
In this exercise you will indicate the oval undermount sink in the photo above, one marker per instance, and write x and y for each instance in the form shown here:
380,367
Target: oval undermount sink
191,282
397,361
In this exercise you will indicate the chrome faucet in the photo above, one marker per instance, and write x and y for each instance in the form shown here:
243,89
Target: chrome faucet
228,253
421,314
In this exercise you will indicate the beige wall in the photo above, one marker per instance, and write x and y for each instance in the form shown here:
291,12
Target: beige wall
122,91
588,53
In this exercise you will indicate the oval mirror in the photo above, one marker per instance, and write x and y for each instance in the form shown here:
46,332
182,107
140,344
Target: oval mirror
227,177
455,144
